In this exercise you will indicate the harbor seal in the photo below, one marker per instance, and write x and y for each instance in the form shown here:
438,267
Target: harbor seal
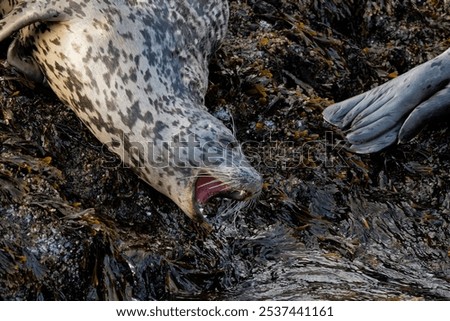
397,110
136,72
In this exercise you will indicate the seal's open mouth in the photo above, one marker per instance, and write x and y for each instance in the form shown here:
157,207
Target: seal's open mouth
208,187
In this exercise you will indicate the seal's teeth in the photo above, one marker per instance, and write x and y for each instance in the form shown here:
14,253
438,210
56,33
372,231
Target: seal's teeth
210,182
218,185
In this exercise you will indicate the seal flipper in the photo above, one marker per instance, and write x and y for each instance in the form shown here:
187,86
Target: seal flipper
436,107
23,14
373,120
336,113
25,64
378,143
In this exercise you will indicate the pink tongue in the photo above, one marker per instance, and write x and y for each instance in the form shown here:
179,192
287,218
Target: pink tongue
205,192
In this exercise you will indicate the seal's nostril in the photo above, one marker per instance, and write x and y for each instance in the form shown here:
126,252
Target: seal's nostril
238,195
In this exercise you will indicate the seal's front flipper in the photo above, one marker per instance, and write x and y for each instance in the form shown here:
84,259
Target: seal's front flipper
437,107
23,14
24,63
396,110
339,114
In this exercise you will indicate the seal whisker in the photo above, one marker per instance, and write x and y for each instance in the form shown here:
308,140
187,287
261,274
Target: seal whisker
212,182
218,185
221,173
251,203
233,125
234,209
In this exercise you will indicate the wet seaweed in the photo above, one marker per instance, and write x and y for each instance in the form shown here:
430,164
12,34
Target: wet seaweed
76,225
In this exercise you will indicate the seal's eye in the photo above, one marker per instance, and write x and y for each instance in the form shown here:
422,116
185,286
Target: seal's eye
233,145
228,143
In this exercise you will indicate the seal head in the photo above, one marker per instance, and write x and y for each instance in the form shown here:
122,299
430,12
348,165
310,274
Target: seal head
136,72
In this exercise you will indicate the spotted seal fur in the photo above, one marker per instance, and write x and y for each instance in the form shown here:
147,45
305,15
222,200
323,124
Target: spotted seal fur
397,110
135,72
